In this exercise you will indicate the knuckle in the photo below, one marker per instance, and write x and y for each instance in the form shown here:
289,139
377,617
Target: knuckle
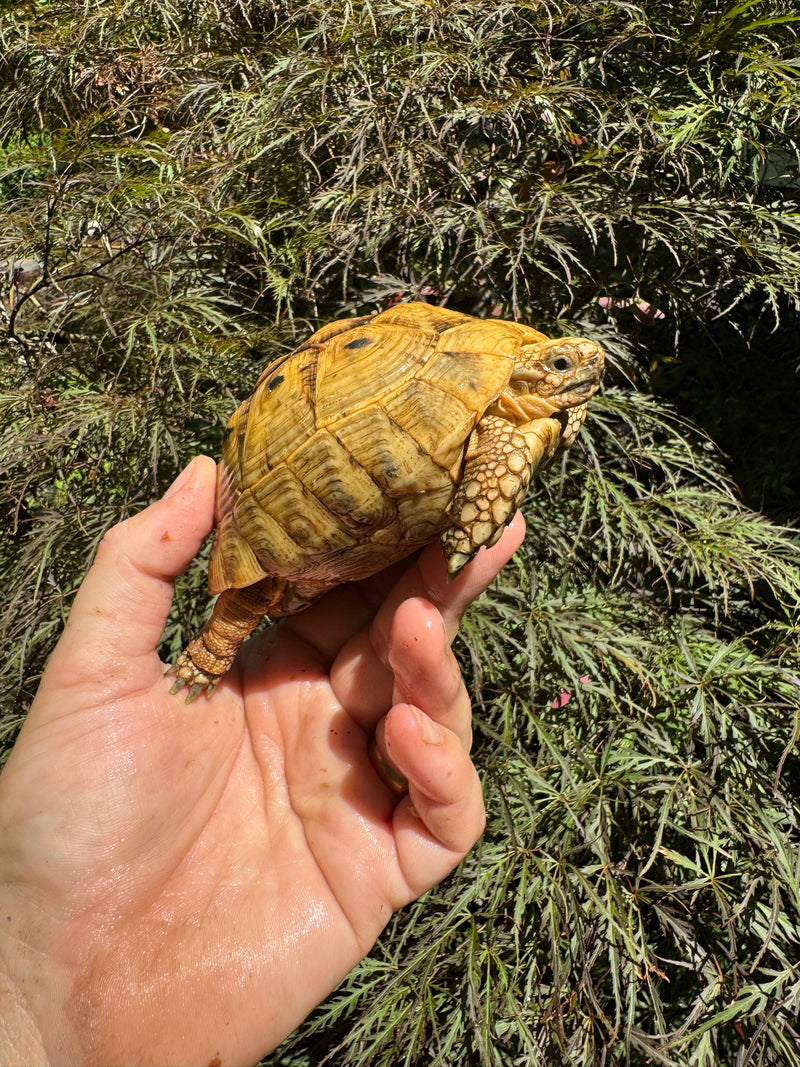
112,540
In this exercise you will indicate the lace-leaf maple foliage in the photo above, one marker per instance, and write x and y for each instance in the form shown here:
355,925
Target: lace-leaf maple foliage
190,186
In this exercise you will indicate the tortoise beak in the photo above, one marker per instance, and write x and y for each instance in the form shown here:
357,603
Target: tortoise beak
582,388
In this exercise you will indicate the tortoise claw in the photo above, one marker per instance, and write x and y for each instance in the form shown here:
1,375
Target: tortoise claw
456,561
196,689
177,685
189,676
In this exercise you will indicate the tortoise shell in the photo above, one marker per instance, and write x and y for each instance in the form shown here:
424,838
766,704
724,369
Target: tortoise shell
364,444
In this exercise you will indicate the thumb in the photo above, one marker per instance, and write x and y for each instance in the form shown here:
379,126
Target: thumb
119,612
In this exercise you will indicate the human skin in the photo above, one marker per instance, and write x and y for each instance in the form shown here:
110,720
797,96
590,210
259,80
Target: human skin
185,883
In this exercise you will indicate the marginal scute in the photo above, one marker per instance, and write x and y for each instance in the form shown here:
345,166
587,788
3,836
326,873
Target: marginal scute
271,545
375,436
421,516
233,563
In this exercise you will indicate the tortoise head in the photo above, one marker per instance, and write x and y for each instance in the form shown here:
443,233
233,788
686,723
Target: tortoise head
563,372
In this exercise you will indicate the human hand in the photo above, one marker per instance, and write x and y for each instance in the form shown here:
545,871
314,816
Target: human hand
184,884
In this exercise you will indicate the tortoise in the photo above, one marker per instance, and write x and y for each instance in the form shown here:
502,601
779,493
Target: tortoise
374,437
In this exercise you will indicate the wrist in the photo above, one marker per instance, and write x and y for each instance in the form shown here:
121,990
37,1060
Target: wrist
20,1039
26,977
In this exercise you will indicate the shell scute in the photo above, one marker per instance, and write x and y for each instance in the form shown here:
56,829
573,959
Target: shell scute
421,515
437,420
391,457
474,377
272,545
417,316
297,510
233,563
329,330
351,380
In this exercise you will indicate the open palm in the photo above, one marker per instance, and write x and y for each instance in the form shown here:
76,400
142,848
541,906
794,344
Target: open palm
184,883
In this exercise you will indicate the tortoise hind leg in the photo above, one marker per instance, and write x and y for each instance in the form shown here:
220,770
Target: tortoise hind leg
236,614
500,461
210,655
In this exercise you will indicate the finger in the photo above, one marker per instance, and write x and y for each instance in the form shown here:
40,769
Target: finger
426,673
428,578
443,815
328,624
361,674
119,611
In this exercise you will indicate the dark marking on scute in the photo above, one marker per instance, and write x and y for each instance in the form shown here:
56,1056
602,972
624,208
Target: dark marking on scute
386,465
275,382
241,434
358,342
333,329
240,439
340,499
226,433
308,376
276,364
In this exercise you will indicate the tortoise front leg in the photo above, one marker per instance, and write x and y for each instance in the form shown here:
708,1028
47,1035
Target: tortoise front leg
500,461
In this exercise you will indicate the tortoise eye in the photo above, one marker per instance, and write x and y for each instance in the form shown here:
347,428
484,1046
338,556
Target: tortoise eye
561,363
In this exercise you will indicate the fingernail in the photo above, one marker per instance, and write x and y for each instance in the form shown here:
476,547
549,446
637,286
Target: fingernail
429,731
181,480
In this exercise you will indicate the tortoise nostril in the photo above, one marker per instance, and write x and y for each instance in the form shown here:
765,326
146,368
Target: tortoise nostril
590,352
